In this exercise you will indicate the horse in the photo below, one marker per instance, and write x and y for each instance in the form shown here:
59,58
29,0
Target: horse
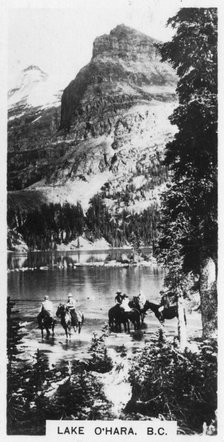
135,303
167,313
117,316
69,319
45,321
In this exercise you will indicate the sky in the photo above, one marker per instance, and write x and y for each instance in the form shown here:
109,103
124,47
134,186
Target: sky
58,36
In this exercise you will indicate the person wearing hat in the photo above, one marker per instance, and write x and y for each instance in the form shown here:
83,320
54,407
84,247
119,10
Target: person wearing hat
118,297
71,305
164,303
125,303
70,302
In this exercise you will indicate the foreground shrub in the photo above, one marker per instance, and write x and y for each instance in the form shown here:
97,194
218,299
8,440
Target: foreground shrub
99,361
67,390
177,386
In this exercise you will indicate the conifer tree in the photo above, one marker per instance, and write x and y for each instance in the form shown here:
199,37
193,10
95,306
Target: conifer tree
189,226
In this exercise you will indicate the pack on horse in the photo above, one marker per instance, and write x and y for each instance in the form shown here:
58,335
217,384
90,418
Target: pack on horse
47,322
70,318
117,316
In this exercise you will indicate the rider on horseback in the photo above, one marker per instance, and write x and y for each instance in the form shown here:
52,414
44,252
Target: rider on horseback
118,297
46,308
168,299
125,303
71,305
164,302
141,300
122,301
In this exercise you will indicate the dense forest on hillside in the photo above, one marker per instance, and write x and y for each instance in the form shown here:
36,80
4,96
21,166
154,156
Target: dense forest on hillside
46,226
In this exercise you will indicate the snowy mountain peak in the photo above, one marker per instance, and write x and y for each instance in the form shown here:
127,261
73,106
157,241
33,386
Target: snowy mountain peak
33,67
28,76
32,74
34,88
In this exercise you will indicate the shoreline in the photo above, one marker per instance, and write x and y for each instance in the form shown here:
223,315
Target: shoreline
77,249
149,263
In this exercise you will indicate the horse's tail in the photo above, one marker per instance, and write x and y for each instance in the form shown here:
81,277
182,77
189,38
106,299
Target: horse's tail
110,318
39,319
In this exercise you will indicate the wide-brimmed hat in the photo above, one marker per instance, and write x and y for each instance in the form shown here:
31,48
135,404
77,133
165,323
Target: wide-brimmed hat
118,292
69,295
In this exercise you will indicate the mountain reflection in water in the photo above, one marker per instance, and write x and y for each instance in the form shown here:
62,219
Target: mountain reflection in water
33,260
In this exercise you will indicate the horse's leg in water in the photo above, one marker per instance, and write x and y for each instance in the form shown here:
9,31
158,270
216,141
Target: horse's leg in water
67,332
118,325
142,315
70,330
53,325
127,326
65,327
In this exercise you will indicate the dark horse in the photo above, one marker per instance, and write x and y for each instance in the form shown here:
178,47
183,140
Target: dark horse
117,316
70,319
45,321
167,313
134,303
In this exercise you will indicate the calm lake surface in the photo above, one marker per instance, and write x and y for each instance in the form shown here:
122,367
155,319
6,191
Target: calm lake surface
34,275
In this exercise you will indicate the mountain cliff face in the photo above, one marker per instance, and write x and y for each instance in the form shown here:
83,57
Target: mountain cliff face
114,116
112,131
124,69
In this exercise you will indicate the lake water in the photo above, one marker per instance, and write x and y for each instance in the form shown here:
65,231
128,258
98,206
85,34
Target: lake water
93,286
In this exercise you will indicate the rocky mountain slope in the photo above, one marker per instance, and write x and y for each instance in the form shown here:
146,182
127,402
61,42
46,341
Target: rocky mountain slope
112,132
33,118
